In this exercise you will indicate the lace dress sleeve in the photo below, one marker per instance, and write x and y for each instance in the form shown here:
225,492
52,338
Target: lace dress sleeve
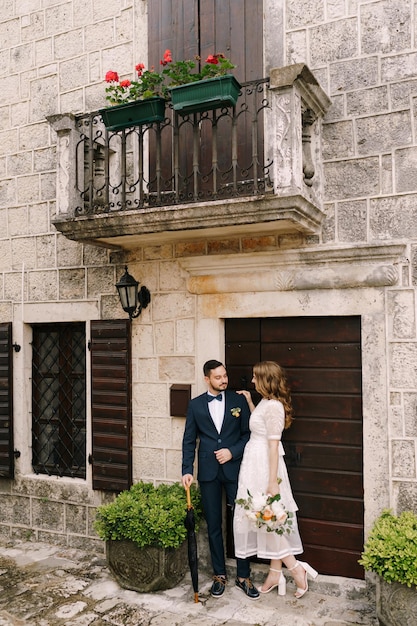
274,419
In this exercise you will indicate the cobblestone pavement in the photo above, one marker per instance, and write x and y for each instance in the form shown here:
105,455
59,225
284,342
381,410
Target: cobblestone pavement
44,585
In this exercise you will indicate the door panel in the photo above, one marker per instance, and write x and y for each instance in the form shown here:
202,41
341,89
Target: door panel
324,455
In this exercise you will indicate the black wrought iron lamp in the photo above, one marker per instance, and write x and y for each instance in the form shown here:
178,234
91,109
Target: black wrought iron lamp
132,299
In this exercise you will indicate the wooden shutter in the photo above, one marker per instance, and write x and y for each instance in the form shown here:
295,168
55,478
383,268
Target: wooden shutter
6,402
111,392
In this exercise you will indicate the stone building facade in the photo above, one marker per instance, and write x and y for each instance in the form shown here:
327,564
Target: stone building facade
359,258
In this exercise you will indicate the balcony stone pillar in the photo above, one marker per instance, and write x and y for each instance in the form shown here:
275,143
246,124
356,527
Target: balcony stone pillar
298,104
65,125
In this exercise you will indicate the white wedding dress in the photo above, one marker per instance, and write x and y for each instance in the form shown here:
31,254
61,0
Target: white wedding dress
266,422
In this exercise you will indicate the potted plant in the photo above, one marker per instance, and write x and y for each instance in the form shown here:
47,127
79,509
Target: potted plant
134,103
211,88
391,552
146,547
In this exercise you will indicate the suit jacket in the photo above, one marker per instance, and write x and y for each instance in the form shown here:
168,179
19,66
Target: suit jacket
200,428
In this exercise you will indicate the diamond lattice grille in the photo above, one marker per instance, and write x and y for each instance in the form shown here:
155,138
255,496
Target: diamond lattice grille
59,407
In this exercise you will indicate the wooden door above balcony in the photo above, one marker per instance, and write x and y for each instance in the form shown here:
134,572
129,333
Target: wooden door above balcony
243,169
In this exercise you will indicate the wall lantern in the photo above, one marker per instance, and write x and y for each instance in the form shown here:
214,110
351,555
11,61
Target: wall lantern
132,300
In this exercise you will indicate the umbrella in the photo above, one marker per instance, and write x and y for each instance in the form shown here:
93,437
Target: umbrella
189,523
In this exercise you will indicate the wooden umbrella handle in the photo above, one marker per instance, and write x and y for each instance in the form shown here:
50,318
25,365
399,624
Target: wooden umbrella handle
187,491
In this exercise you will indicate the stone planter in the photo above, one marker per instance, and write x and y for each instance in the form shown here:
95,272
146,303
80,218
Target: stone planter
205,95
146,569
136,113
396,604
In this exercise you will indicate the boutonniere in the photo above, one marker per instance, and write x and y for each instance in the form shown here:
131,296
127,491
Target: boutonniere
236,411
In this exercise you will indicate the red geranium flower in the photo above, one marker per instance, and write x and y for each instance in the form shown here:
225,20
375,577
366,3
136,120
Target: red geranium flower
212,58
125,83
167,58
112,77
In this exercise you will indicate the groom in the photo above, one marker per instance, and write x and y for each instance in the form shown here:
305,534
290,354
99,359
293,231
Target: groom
219,420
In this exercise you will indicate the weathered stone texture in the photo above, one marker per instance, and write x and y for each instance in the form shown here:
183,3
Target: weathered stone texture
400,93
304,12
177,368
396,422
393,217
352,221
338,140
297,47
401,310
385,26
100,280
403,365
69,253
403,459
410,414
414,264
405,167
353,74
333,41
43,286
72,284
148,464
45,251
150,399
23,251
367,101
43,97
351,179
17,221
171,277
171,306
383,132
76,519
164,337
184,336
48,515
394,68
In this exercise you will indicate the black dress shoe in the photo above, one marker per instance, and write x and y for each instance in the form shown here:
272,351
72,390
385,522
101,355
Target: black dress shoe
218,586
247,587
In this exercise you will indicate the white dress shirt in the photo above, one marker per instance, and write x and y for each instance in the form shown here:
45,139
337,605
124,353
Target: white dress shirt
216,409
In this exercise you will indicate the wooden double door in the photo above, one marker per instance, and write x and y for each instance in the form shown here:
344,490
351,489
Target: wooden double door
324,450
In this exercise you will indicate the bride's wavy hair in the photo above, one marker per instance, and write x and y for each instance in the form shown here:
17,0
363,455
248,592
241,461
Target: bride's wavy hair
271,382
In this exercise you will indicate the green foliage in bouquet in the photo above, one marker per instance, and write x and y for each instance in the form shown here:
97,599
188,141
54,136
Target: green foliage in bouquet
148,515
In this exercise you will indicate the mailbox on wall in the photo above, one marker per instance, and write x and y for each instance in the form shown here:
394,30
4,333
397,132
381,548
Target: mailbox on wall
180,395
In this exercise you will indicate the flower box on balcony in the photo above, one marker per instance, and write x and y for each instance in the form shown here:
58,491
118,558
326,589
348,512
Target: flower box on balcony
135,113
205,95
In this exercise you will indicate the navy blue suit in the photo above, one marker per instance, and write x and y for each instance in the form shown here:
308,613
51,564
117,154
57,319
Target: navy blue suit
213,476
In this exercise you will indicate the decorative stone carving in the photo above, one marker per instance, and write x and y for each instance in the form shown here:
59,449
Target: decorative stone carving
396,604
366,266
146,569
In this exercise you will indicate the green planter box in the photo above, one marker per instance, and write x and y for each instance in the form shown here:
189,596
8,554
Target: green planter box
135,113
205,95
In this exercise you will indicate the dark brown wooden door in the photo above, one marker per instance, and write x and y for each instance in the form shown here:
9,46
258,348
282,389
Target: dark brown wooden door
324,455
192,28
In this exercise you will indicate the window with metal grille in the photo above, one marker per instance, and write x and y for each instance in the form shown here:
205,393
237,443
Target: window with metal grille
59,399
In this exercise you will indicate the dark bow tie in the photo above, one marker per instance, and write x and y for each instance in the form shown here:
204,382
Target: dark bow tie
210,398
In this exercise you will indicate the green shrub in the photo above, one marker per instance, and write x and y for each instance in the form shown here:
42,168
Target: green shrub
391,548
148,515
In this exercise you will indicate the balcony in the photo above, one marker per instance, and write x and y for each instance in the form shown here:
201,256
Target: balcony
255,167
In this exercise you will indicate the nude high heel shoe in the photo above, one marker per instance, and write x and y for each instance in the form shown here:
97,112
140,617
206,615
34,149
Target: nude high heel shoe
308,570
281,584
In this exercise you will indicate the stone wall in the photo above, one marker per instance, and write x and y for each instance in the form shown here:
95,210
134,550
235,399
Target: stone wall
54,57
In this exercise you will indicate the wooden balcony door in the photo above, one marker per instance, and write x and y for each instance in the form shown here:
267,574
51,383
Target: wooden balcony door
193,27
324,452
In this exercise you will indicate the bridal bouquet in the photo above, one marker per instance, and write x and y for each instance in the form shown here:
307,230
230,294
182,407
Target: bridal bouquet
267,511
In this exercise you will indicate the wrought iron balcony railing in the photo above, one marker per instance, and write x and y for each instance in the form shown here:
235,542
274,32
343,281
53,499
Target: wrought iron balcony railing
256,165
201,157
